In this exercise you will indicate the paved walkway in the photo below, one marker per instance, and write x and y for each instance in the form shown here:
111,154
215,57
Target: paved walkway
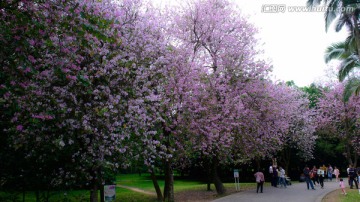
297,192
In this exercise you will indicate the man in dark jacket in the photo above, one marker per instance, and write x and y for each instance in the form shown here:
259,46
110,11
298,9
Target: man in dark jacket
352,177
307,178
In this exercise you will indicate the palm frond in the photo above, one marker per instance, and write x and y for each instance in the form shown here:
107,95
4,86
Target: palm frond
332,12
335,51
347,66
351,87
352,3
350,43
312,3
344,19
357,90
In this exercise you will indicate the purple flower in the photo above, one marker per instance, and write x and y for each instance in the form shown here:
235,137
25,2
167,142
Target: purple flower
19,127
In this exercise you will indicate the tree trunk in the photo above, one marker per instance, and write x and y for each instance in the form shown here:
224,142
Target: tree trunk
348,153
286,158
220,189
156,185
102,194
208,175
355,159
94,193
94,185
169,183
357,34
257,161
37,194
208,187
347,135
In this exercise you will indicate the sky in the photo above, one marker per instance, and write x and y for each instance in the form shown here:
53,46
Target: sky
294,42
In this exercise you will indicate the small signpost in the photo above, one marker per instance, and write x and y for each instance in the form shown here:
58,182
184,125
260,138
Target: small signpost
109,193
236,176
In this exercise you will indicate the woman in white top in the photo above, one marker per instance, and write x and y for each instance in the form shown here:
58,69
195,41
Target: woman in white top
282,177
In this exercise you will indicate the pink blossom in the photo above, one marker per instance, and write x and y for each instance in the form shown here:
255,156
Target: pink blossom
19,127
42,32
32,59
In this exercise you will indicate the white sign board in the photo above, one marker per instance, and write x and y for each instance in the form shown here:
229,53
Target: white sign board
236,176
236,173
109,193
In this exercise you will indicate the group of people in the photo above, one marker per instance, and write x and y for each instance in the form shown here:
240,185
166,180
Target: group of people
278,177
313,177
316,176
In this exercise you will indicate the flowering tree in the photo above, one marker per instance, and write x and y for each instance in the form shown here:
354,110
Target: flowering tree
65,87
236,106
300,134
340,118
89,83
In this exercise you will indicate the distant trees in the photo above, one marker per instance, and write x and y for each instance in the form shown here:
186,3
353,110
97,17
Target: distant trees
340,119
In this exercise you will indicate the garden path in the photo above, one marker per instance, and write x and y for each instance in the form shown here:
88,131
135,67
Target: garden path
297,192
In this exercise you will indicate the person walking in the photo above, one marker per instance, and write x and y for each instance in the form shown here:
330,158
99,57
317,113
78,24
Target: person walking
314,177
347,170
330,172
352,177
271,174
260,179
336,173
342,186
324,168
308,181
359,179
274,179
321,176
282,180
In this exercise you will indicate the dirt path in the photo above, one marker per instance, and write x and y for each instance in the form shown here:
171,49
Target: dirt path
332,197
137,190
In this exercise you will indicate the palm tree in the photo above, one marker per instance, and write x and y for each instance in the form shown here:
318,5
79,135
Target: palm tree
347,53
352,86
347,14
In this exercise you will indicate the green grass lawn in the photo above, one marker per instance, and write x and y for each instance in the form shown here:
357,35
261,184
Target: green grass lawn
78,196
352,196
142,182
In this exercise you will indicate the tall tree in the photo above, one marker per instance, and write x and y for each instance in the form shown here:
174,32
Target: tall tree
65,88
221,42
236,105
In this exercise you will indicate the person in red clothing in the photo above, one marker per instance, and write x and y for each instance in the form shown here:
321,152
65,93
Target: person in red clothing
260,179
315,177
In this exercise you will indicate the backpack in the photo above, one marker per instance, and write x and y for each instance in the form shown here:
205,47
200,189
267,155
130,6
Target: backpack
311,174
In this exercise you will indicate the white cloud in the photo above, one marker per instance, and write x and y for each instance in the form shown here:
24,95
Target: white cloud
294,41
